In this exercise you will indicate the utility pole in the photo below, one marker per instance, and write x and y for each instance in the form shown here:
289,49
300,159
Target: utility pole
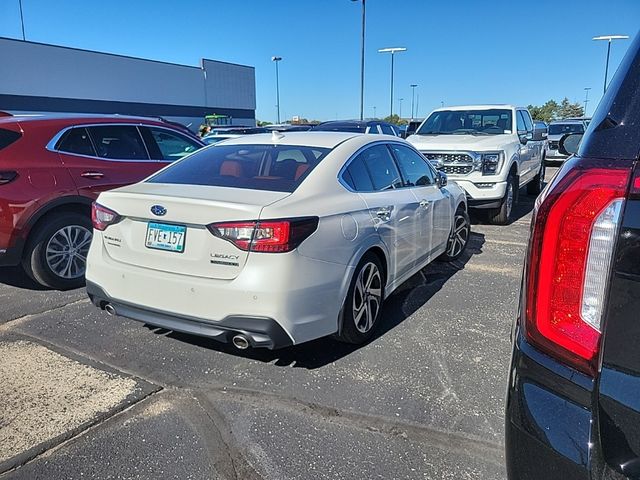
277,60
24,38
586,99
413,98
400,101
362,59
392,51
374,112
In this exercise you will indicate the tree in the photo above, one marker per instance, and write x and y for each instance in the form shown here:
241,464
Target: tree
395,119
261,123
546,112
568,109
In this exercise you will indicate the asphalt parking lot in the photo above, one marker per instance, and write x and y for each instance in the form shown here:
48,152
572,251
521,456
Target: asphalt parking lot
86,395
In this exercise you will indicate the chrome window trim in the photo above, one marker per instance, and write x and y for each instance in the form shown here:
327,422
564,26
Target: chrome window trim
51,145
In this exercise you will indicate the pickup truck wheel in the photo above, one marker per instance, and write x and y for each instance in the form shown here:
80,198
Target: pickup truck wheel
459,236
537,184
56,252
502,214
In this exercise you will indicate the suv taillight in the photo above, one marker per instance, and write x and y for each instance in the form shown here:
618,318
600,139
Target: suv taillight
267,236
7,177
102,217
574,235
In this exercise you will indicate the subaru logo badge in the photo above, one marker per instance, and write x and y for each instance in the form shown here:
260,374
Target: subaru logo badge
158,210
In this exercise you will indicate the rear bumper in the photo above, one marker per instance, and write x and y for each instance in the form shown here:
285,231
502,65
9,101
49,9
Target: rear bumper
261,331
548,427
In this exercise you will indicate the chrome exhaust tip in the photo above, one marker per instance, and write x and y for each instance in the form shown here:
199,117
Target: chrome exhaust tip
110,309
240,342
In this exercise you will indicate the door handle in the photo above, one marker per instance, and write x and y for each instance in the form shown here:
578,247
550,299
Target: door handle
384,214
92,174
425,203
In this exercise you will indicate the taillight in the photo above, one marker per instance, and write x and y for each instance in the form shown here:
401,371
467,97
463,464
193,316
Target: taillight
573,241
6,177
635,186
102,217
268,236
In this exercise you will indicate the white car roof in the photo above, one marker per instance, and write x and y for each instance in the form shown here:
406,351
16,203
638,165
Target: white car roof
307,139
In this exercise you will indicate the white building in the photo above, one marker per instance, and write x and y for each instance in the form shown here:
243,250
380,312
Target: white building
48,78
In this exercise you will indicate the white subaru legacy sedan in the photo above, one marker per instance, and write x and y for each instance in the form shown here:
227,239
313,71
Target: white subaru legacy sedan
275,239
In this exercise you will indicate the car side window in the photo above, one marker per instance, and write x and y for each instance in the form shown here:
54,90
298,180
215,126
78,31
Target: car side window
521,125
527,120
382,168
77,141
387,130
171,146
415,169
118,142
357,176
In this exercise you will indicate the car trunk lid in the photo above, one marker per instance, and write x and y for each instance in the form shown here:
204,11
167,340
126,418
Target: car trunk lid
186,210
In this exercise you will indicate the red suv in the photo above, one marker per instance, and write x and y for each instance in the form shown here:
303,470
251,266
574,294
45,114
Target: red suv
53,167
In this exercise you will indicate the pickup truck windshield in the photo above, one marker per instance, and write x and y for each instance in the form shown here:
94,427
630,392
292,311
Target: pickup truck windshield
468,122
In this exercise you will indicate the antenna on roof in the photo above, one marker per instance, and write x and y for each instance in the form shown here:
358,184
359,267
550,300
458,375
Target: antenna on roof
276,136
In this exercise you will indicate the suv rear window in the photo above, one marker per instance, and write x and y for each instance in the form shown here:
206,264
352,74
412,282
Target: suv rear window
7,137
279,168
562,128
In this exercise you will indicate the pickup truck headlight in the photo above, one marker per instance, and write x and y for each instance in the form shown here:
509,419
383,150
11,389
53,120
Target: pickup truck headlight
492,163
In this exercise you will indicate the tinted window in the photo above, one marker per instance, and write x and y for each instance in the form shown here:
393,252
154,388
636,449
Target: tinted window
527,120
381,167
171,146
121,142
279,168
562,128
415,169
341,127
494,121
387,130
357,176
521,126
7,137
77,141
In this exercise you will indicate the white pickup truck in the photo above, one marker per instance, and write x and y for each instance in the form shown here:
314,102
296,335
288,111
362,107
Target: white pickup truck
491,151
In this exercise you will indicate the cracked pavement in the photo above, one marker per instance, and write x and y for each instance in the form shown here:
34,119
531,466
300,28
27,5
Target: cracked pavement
423,400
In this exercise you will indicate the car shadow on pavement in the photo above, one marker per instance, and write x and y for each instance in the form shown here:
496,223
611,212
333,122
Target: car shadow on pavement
15,277
408,298
525,206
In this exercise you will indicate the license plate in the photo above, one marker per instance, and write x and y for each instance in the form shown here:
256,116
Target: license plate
166,237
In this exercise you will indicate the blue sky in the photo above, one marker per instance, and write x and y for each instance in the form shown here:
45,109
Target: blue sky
462,51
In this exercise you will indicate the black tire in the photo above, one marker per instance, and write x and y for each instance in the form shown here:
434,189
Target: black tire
502,214
459,236
354,329
535,186
46,249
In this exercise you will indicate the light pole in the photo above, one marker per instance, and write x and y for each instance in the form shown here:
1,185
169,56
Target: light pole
586,99
400,101
22,20
392,51
374,112
609,39
276,60
362,61
413,98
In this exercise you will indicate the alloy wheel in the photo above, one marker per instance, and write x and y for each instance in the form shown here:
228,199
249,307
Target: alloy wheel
367,297
67,251
459,236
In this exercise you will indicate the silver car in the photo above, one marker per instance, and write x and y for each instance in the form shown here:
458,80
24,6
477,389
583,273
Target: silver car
276,239
559,128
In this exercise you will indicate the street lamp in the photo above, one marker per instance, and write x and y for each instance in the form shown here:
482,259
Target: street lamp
362,62
276,60
586,99
392,51
413,97
609,38
400,100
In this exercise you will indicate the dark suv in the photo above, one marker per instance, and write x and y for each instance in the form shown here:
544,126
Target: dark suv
573,405
51,170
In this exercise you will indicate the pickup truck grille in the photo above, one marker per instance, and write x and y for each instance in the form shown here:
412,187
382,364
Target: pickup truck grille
454,163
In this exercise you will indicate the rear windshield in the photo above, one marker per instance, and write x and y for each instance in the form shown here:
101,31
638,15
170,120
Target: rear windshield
278,168
7,137
341,128
562,128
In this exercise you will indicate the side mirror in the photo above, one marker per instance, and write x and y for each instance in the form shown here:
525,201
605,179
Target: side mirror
569,143
539,134
525,137
441,180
